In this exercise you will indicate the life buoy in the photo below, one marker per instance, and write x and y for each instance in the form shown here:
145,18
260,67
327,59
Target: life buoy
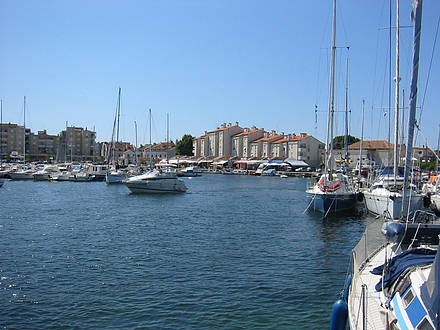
329,188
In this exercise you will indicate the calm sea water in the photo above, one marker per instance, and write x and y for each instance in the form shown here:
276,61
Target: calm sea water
232,253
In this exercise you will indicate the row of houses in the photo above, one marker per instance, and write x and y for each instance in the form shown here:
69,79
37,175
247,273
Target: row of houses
230,140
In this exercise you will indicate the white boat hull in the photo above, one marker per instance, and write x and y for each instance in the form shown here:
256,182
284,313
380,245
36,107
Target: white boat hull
390,206
21,175
111,178
42,177
435,200
156,186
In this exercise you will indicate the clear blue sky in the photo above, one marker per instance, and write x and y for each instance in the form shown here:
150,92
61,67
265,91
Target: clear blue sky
262,63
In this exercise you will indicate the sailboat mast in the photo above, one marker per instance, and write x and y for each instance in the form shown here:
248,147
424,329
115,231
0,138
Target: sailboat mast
402,122
396,114
413,97
119,113
362,139
168,133
151,149
136,142
24,130
346,115
331,106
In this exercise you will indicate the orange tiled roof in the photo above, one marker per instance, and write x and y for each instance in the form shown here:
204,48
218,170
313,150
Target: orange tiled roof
219,130
295,138
249,132
270,138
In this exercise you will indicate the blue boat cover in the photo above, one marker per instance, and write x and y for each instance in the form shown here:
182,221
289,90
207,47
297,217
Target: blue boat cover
401,262
390,170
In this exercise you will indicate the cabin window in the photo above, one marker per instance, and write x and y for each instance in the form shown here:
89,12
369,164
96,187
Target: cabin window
408,298
425,325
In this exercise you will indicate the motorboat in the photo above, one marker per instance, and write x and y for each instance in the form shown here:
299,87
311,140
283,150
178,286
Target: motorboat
80,177
46,173
61,176
26,174
188,172
156,181
116,176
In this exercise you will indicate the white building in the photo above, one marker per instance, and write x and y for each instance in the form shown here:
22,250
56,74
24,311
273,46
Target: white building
241,142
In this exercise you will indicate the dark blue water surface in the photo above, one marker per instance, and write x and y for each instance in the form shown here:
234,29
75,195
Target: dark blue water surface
232,253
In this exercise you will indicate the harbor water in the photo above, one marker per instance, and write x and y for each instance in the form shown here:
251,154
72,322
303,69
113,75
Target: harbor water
234,252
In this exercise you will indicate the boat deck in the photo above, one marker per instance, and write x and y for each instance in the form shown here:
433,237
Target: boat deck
375,313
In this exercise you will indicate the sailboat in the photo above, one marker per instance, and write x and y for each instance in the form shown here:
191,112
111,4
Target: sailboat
394,280
24,173
115,175
156,180
332,192
385,197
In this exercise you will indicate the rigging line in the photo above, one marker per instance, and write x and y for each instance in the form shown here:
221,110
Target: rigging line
429,70
423,135
341,20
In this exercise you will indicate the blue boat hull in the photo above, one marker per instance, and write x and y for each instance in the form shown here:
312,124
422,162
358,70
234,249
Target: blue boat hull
331,203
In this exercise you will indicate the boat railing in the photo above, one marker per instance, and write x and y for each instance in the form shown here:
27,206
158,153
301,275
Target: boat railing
372,240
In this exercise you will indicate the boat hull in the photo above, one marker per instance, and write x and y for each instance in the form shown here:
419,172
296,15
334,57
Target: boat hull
156,186
21,176
115,178
390,207
42,177
332,203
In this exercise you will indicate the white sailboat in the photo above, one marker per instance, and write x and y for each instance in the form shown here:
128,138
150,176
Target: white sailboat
24,173
333,192
115,175
386,195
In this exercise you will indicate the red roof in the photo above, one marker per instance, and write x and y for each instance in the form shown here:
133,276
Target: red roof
270,138
249,132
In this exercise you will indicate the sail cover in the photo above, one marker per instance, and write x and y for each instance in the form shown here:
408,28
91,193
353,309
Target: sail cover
401,262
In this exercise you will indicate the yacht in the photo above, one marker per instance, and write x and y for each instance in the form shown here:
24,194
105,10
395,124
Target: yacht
25,174
155,181
188,172
46,173
115,176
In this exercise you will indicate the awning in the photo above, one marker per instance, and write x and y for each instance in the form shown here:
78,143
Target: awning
295,163
220,162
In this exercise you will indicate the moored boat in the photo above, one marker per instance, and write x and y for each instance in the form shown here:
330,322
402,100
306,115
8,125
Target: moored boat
155,182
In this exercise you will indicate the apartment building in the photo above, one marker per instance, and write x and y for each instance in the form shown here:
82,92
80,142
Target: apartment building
12,139
306,148
77,143
242,141
42,146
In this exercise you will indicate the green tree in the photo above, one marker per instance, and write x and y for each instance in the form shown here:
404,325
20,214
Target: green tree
184,147
339,141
